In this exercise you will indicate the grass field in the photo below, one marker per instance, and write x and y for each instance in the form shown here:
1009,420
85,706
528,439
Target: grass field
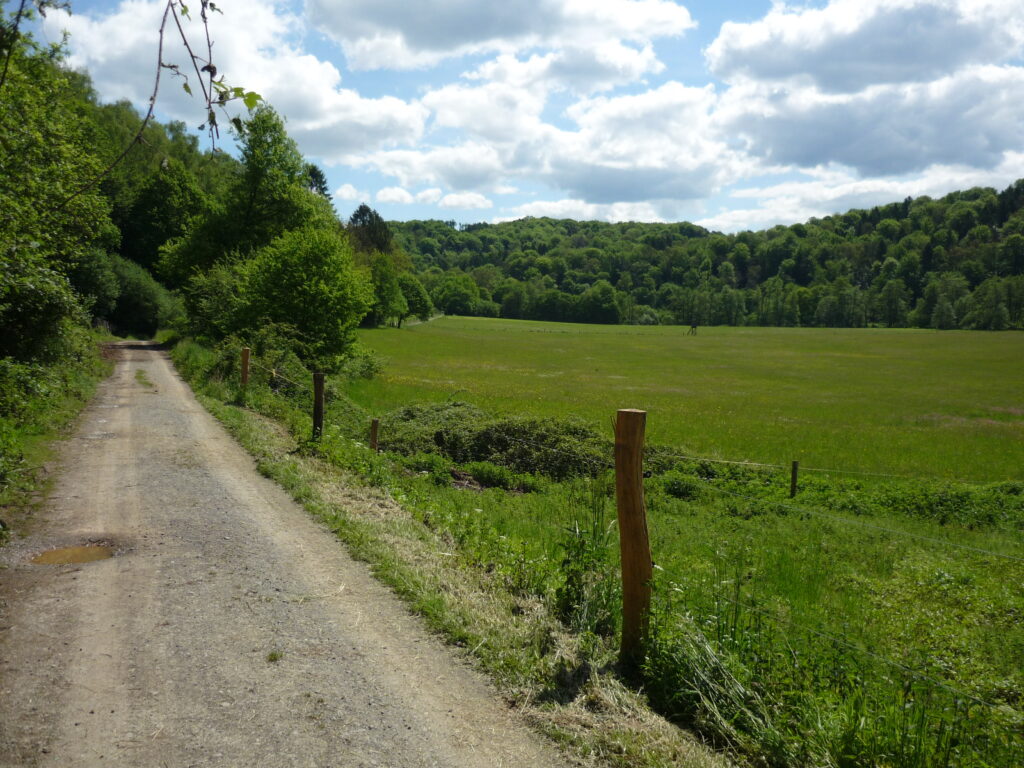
869,621
923,403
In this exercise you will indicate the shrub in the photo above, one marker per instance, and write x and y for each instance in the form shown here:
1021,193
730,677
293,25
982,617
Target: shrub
437,467
143,305
11,459
682,486
491,475
555,448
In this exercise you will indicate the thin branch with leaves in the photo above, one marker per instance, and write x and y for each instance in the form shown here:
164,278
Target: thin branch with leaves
216,93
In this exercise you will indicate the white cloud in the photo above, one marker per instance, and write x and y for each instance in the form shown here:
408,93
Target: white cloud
257,45
836,190
394,195
851,44
658,144
429,196
470,165
495,111
583,70
968,118
465,200
396,34
348,192
584,211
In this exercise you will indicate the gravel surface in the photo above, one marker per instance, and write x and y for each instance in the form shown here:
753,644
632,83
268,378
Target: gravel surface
229,629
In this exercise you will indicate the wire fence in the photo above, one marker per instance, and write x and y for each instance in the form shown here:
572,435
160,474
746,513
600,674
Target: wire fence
842,640
703,459
783,623
862,524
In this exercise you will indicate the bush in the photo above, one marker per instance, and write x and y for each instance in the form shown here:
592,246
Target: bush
143,305
428,427
20,383
11,458
555,448
437,467
491,475
361,362
682,486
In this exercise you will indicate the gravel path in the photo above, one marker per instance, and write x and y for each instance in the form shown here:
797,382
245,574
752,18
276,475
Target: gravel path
164,655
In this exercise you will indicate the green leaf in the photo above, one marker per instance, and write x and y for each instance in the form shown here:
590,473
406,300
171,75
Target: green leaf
187,89
251,99
237,122
184,11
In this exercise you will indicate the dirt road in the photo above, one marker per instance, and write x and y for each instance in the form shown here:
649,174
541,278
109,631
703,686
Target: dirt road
228,630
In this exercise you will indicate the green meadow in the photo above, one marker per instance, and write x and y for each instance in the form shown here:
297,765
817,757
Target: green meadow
903,401
869,621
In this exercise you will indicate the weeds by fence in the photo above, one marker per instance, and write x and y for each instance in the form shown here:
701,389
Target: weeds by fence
775,659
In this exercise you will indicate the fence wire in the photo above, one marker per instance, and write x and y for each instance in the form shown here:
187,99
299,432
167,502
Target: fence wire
681,585
862,524
839,639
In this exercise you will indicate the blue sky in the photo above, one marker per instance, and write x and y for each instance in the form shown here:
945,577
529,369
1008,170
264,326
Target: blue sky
735,115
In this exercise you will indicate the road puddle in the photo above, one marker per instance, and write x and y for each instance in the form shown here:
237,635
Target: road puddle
86,553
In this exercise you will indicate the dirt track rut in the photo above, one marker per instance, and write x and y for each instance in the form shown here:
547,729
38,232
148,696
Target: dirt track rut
161,655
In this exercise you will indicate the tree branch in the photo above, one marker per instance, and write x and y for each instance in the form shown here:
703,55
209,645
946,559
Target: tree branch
14,39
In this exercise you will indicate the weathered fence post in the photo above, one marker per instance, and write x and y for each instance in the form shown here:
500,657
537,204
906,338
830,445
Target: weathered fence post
637,566
374,426
792,479
245,367
318,405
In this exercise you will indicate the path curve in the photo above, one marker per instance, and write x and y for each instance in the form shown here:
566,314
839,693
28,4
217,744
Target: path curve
162,655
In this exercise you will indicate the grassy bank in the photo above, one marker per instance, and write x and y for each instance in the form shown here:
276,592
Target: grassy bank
479,589
866,622
36,403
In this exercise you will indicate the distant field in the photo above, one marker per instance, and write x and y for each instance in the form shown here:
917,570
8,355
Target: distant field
943,404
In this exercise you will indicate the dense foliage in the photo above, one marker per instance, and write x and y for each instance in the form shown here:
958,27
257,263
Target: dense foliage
955,262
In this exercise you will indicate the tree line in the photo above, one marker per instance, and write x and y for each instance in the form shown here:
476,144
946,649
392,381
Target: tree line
171,234
953,262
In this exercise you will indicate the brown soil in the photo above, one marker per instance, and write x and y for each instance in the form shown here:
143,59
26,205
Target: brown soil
228,629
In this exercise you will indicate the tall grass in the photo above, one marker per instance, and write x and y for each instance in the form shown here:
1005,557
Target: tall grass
869,621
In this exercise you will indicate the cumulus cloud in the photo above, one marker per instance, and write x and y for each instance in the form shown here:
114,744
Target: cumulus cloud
388,34
428,196
348,192
658,144
833,189
581,70
465,200
495,111
394,195
469,165
969,118
584,211
851,44
258,47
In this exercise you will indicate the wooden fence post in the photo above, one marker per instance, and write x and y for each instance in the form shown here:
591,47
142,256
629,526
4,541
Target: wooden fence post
318,405
374,426
245,367
792,479
637,566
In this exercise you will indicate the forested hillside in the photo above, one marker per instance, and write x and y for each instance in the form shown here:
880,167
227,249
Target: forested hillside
110,223
955,262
